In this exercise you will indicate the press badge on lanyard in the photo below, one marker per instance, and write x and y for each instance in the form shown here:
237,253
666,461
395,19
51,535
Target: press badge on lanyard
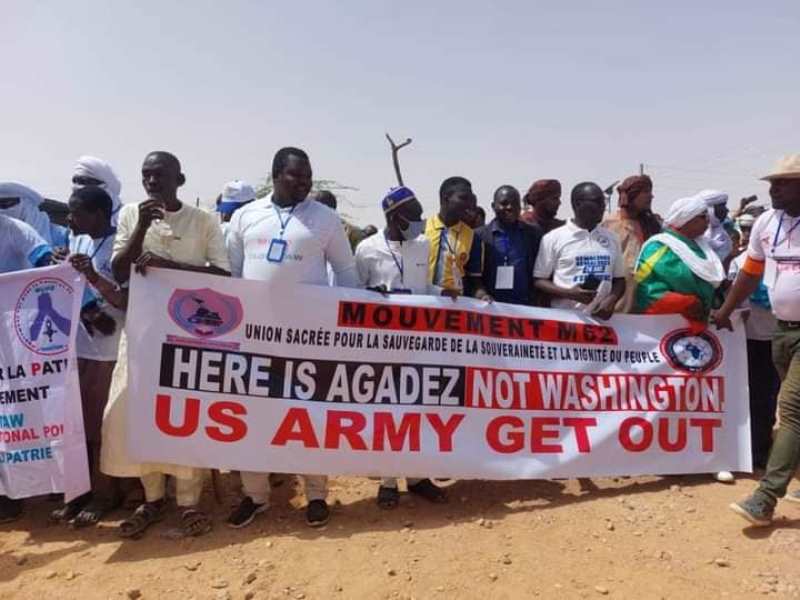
277,246
771,271
505,273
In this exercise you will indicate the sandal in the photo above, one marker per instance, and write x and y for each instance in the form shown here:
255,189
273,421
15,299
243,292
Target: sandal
145,515
195,523
428,490
68,511
94,511
388,497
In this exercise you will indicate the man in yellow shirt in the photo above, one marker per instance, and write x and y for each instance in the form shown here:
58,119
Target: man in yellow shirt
456,255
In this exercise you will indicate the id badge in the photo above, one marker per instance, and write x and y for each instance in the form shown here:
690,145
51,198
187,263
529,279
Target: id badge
770,272
505,278
277,250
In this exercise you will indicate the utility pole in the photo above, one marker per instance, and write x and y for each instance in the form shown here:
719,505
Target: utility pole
641,168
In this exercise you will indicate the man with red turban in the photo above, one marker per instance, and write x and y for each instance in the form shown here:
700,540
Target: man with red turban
541,205
633,223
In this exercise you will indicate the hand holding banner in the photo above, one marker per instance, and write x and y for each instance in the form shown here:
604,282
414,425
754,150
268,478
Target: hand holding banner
324,380
42,445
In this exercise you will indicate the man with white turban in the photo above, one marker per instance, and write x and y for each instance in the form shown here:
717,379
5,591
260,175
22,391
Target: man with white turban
95,171
716,236
22,203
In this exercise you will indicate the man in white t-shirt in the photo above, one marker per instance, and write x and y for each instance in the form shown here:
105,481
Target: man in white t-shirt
395,260
774,254
97,341
580,264
285,239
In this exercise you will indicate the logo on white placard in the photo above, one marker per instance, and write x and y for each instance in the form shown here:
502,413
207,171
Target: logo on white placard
42,316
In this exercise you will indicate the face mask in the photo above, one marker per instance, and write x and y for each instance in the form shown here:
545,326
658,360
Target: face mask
413,231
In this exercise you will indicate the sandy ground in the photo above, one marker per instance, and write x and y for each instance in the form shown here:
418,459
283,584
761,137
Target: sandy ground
648,537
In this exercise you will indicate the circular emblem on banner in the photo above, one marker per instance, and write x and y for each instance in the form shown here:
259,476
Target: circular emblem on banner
692,352
42,316
205,313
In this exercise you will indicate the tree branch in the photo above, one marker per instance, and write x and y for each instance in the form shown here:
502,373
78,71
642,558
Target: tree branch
395,149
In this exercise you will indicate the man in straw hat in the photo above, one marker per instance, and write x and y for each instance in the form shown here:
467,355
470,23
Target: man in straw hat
774,253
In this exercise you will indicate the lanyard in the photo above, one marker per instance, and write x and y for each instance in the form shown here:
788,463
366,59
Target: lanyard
505,246
778,232
280,218
100,245
445,235
398,263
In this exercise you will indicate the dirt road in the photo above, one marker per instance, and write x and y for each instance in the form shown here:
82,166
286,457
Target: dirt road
629,538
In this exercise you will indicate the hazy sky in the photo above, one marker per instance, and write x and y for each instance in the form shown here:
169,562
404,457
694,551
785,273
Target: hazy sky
706,94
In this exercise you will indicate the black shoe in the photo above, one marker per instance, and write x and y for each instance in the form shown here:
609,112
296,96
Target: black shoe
10,510
317,513
756,509
428,490
245,513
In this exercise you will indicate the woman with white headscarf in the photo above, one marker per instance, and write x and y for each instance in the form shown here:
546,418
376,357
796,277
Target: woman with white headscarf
21,202
95,171
678,272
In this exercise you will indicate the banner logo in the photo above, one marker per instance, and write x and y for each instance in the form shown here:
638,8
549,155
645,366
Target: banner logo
42,316
693,353
205,313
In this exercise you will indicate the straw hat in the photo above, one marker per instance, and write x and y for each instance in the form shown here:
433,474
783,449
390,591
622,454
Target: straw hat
787,167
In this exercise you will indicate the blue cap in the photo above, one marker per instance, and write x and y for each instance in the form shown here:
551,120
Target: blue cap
396,197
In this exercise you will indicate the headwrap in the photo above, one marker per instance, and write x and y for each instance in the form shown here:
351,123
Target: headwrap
745,220
632,187
713,197
234,195
542,189
27,209
716,236
96,168
396,197
684,210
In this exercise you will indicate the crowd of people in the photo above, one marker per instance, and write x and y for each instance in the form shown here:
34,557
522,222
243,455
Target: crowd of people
699,260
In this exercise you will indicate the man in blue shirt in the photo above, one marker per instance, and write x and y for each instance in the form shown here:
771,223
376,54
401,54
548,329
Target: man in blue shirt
511,248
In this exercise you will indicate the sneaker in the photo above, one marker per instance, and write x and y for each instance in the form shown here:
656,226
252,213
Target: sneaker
317,513
724,477
755,509
244,514
793,496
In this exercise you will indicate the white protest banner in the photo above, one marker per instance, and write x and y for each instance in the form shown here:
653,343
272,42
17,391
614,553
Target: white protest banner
237,374
42,445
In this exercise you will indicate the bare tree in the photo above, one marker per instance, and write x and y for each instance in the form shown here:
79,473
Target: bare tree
395,149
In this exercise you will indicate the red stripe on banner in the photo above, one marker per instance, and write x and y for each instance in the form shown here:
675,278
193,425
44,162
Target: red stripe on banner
592,392
371,315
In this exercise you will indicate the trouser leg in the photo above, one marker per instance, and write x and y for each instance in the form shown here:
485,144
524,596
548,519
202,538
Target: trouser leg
189,489
764,385
785,454
315,487
256,485
155,486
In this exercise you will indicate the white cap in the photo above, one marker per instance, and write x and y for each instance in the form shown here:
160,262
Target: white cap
235,194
